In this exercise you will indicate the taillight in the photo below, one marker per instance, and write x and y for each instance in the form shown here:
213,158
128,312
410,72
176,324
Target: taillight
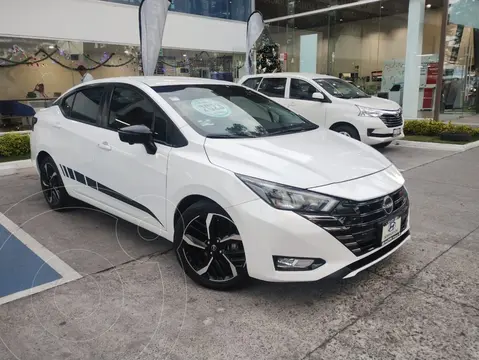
34,121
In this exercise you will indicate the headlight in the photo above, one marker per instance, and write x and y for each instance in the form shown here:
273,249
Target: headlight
369,112
288,198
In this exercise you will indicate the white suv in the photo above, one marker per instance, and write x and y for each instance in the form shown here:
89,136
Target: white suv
334,104
241,185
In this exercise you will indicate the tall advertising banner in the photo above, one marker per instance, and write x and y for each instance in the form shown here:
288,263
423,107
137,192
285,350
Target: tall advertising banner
254,29
152,19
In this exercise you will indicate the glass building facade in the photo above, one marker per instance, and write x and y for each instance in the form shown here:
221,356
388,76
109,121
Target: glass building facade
223,9
390,48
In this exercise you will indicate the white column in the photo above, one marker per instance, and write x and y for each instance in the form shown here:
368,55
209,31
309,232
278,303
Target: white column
412,71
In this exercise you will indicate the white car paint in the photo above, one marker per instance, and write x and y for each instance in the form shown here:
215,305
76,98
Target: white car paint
319,160
334,110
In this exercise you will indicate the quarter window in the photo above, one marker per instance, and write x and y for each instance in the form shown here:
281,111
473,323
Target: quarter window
273,87
252,83
86,106
301,90
67,105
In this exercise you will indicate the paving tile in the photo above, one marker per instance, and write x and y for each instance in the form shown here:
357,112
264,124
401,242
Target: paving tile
454,275
409,259
462,169
409,325
442,213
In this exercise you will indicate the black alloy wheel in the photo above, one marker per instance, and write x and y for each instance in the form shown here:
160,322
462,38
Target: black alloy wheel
209,247
52,185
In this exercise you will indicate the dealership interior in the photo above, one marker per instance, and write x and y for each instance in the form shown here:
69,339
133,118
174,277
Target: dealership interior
366,42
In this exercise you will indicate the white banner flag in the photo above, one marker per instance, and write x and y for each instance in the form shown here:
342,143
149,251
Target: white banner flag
254,29
152,24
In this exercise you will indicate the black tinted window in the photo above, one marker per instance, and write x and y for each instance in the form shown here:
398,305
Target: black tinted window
273,87
86,106
130,107
252,83
301,90
67,105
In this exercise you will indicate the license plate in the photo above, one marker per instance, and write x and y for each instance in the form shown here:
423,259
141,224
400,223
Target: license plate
391,230
396,132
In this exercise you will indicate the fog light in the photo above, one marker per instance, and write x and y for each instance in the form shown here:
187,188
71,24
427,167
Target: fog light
296,264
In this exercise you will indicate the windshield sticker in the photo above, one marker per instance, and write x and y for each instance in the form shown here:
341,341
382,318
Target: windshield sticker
206,122
174,98
210,107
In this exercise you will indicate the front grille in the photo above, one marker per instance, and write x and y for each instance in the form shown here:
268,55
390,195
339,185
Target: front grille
358,225
392,119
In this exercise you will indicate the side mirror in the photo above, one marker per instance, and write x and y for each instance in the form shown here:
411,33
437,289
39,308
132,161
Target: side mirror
318,96
138,134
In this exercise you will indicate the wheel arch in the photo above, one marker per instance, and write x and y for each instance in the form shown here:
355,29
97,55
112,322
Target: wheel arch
42,155
189,200
341,123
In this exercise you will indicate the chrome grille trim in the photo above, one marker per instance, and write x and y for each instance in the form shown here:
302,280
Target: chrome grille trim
356,224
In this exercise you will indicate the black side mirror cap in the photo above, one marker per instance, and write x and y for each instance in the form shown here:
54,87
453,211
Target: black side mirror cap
138,134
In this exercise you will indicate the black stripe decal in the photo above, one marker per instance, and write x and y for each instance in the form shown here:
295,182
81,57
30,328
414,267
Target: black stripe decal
70,172
80,177
91,183
107,191
63,170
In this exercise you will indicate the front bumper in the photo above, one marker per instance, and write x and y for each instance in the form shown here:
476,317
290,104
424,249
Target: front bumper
267,232
375,131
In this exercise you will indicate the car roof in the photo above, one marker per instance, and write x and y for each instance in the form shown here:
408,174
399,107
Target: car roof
161,80
309,76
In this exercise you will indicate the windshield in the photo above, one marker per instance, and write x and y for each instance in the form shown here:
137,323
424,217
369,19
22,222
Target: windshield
341,89
230,111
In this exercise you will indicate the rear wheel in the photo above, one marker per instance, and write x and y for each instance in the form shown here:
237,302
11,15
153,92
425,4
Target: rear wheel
347,130
209,247
52,185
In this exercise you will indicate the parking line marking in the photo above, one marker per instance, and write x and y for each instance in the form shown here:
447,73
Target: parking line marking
67,273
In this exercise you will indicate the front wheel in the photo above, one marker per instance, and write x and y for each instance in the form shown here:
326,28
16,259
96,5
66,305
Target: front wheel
209,247
347,130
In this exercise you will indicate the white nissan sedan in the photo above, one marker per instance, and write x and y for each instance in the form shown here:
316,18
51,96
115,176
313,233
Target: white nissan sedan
241,185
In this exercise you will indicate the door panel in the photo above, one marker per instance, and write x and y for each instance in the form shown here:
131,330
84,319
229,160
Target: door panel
301,101
134,180
77,135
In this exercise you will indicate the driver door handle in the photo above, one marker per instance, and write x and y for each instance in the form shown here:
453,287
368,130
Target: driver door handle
104,146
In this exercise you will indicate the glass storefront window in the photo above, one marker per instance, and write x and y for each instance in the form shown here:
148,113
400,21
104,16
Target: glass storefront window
223,9
45,78
366,44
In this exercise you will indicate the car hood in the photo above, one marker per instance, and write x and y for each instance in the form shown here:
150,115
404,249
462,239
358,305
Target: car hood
305,160
376,103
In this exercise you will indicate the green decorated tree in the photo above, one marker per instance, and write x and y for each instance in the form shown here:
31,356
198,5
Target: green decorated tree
267,54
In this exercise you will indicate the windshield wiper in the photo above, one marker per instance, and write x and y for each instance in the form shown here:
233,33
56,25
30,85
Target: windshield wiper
293,129
228,136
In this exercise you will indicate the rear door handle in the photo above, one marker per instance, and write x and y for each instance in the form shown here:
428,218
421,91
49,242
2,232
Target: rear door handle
57,125
104,146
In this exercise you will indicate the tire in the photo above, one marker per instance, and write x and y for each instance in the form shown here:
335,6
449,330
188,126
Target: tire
383,145
52,185
347,130
214,259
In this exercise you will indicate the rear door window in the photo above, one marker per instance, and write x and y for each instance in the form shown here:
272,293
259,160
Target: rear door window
273,87
252,82
86,106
